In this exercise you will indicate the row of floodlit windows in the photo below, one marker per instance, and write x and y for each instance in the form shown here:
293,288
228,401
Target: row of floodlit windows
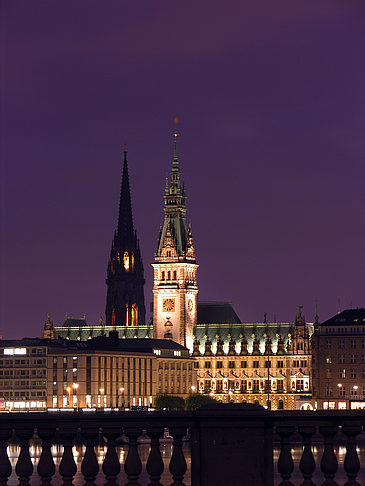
22,351
302,363
169,275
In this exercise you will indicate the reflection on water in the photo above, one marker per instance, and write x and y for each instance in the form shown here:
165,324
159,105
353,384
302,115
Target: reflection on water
318,478
166,451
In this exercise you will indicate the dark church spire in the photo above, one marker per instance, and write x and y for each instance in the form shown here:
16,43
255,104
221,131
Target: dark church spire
125,230
125,275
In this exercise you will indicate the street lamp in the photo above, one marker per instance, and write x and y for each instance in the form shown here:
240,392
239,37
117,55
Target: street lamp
193,388
75,387
68,389
101,391
122,392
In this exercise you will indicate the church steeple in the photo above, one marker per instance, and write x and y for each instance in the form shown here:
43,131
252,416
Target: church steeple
125,274
125,230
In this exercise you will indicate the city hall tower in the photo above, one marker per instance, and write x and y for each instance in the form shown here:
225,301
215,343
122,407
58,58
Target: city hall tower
175,288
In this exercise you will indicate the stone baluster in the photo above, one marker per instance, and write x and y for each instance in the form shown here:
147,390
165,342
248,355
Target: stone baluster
133,465
352,463
177,465
285,462
5,464
155,464
24,465
67,467
90,465
307,464
111,465
46,467
195,455
329,462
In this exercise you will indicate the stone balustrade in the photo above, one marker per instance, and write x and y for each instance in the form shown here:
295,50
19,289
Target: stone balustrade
229,444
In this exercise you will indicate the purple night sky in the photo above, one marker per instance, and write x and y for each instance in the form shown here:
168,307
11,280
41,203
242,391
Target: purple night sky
271,101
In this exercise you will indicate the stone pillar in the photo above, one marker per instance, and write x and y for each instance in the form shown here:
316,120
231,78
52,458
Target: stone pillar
235,445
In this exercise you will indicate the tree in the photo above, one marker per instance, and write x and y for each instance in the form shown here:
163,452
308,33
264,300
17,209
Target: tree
169,402
195,400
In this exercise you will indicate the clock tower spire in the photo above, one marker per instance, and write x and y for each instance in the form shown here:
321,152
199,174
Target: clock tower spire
175,287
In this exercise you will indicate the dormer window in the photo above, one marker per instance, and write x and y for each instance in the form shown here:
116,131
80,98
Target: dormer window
168,253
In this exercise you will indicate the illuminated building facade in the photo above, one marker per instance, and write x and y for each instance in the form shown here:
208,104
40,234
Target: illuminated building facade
23,374
339,361
264,363
104,372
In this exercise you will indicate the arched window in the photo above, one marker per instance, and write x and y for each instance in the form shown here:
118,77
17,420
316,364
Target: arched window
169,275
126,261
163,275
281,405
174,274
134,315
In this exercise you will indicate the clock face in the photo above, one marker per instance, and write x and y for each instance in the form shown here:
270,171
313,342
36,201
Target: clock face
190,305
168,305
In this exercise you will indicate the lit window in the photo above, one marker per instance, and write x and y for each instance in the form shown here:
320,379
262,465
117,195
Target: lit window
157,352
14,351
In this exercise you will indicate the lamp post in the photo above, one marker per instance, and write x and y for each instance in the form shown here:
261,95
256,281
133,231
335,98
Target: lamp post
339,389
122,392
101,391
75,387
193,388
68,389
268,372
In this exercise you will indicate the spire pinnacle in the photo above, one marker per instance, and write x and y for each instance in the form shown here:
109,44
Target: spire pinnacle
175,147
125,218
176,121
